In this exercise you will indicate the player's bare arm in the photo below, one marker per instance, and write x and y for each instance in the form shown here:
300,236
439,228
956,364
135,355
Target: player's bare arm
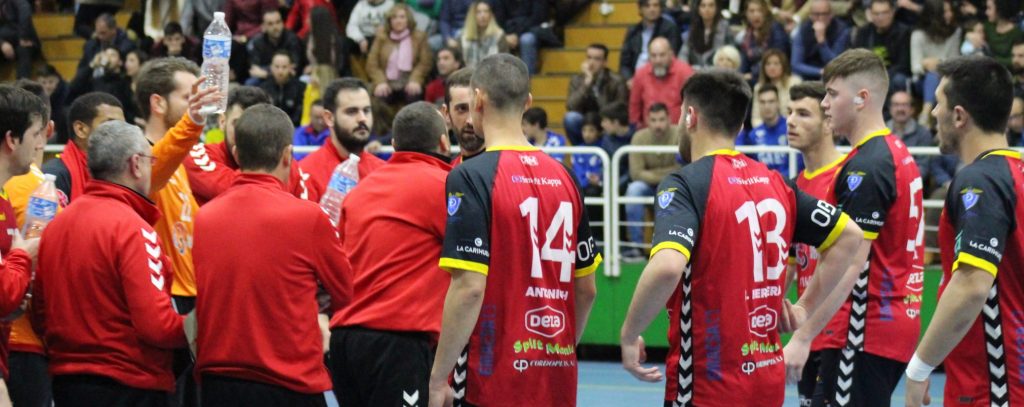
659,279
585,293
461,309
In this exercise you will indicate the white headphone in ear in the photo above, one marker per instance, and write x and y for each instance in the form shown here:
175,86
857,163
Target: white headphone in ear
689,120
857,100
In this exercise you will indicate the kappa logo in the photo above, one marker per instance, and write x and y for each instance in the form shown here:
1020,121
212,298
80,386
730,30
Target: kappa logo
454,200
665,198
854,179
970,197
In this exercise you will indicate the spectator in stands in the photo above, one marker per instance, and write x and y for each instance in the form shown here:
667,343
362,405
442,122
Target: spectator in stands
366,18
521,19
87,11
120,352
284,89
658,82
298,16
889,39
57,90
818,40
325,46
708,32
591,90
400,58
481,35
159,13
937,38
383,340
273,38
535,127
1015,127
425,12
771,131
617,130
1001,30
133,64
728,57
196,15
274,275
448,60
245,17
18,39
313,134
761,32
588,167
647,170
1017,66
176,44
635,47
107,35
458,98
904,124
452,20
777,72
107,76
349,114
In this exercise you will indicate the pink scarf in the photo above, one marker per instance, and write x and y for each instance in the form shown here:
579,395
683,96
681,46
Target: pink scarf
401,58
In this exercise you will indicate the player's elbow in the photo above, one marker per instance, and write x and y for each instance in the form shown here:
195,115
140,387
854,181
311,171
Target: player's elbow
469,287
974,283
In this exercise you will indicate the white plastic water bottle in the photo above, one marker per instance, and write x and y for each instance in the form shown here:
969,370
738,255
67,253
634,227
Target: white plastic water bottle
42,207
343,179
216,53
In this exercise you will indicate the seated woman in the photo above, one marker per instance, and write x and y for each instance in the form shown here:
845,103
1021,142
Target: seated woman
400,58
708,32
481,35
775,70
761,32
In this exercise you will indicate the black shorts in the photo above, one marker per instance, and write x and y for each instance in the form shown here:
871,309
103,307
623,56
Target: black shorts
225,391
29,384
873,379
809,379
380,368
91,390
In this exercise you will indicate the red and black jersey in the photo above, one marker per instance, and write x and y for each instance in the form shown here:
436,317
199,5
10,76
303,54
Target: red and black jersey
879,185
734,219
980,226
817,184
212,170
516,215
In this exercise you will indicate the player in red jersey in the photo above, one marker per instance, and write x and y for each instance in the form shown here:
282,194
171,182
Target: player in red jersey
978,325
879,186
457,98
722,230
809,132
521,256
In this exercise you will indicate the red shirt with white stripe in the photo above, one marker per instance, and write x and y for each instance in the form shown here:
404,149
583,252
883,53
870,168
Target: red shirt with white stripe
212,169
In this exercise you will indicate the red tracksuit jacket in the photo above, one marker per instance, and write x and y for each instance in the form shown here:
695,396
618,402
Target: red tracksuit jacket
212,169
14,275
320,165
257,309
101,297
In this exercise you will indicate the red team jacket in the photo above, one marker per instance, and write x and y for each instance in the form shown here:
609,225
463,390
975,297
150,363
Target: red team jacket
15,274
879,184
516,216
817,184
212,169
981,226
320,165
106,310
395,222
247,327
734,219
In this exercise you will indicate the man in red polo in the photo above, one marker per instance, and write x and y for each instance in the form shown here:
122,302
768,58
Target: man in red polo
259,255
382,343
348,110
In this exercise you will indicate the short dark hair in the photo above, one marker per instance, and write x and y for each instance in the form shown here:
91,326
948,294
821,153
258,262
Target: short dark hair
601,47
536,116
85,108
890,3
505,80
156,77
457,79
856,61
592,119
173,28
982,87
36,88
317,102
455,54
417,128
642,3
811,89
247,96
107,19
767,88
347,84
18,109
48,70
657,107
262,134
282,53
270,10
1007,9
721,96
616,111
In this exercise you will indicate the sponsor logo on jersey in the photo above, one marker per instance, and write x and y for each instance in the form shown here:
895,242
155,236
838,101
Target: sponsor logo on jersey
547,293
763,320
454,200
550,348
970,197
748,181
713,344
867,221
543,181
854,179
545,321
665,198
473,250
529,160
986,248
488,328
677,233
737,164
